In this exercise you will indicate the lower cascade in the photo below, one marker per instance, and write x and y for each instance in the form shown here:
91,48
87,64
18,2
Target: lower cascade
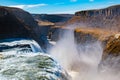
19,61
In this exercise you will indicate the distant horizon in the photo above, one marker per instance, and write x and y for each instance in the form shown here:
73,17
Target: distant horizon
78,11
58,6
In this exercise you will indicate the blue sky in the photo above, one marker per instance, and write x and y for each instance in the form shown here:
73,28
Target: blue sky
58,6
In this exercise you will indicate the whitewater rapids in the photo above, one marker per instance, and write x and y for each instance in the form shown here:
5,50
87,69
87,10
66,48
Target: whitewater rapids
24,64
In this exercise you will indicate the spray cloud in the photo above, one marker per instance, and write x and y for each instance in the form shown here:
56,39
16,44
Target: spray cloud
81,60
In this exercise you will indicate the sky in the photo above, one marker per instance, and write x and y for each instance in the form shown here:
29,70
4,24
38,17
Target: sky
58,6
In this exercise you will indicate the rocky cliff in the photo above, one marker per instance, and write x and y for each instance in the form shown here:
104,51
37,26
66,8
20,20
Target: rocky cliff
110,11
107,18
16,23
112,47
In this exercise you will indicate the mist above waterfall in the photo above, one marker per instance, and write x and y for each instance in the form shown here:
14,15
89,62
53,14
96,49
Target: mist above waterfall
81,60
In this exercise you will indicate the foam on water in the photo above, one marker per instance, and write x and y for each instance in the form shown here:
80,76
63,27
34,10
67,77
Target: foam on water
12,42
28,65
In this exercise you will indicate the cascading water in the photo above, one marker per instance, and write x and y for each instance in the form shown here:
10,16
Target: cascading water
24,60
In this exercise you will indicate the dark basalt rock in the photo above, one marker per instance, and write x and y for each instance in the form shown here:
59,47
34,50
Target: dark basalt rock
17,23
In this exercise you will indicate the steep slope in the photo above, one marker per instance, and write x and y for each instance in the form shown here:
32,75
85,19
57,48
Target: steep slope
15,23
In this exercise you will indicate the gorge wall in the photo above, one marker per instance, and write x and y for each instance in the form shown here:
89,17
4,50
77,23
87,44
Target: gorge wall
94,25
17,23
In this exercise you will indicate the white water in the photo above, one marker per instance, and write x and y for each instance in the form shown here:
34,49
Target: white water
35,47
81,61
28,65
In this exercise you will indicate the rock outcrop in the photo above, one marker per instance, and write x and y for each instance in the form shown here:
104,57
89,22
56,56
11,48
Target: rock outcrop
107,18
17,23
112,47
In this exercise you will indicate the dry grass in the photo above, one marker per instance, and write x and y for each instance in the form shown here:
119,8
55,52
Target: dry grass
44,23
98,33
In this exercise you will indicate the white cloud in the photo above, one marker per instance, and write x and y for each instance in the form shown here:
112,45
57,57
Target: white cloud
18,6
91,0
36,5
73,0
28,6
